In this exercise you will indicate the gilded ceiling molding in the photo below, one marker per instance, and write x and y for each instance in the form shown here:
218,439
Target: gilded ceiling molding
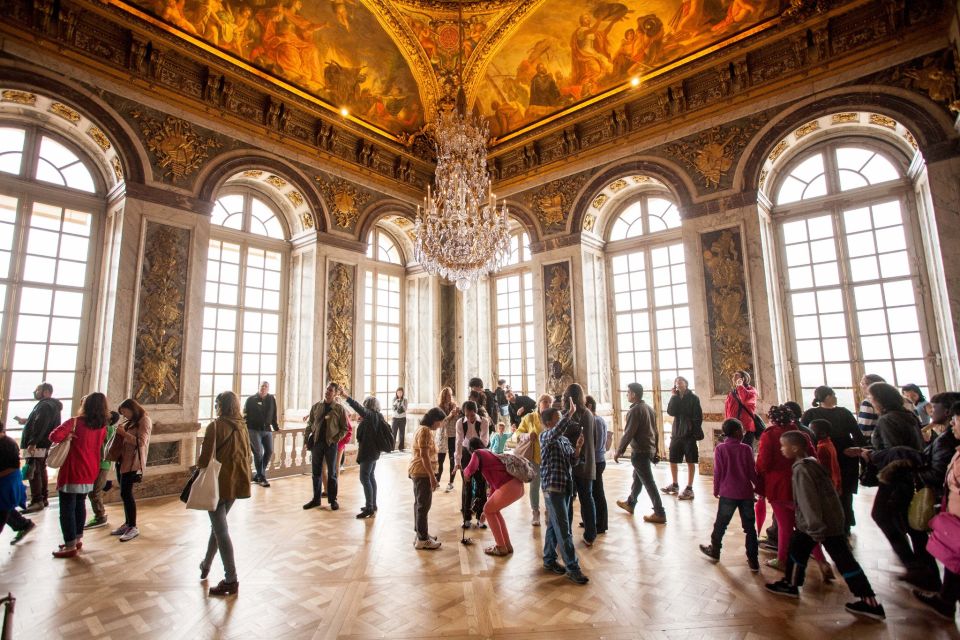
160,324
340,279
393,22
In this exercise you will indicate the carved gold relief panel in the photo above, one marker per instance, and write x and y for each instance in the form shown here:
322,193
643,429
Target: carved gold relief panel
340,306
558,326
726,298
158,356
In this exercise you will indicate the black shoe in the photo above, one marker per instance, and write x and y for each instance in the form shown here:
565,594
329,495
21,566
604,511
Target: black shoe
465,525
364,514
941,608
577,577
264,483
861,608
754,564
204,571
710,552
334,506
783,588
20,535
555,567
225,588
255,480
312,504
926,581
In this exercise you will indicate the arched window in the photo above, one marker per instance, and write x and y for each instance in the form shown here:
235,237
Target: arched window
382,314
242,314
515,358
651,314
50,207
845,229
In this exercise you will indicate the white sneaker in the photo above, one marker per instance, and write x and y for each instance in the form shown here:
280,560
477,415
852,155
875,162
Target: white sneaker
449,487
536,519
130,534
429,544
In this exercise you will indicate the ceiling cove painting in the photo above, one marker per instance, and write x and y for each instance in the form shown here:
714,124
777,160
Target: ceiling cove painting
565,52
333,49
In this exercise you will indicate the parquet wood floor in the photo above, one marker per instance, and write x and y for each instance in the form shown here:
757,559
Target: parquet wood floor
321,574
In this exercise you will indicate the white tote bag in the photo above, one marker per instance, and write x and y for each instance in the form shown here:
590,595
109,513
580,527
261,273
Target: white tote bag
58,452
205,492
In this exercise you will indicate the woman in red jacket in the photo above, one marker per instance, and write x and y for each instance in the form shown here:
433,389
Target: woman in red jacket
80,470
741,404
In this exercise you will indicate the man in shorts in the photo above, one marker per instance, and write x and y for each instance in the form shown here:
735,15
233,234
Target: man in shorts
687,431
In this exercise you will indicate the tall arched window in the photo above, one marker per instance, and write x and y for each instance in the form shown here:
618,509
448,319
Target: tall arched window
242,316
848,261
651,314
50,206
515,359
382,313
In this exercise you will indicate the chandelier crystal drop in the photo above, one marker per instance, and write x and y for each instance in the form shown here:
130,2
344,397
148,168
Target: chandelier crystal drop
460,233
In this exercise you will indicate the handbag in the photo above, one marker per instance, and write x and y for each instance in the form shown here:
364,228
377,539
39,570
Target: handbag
922,509
58,452
185,494
868,475
944,542
205,489
524,448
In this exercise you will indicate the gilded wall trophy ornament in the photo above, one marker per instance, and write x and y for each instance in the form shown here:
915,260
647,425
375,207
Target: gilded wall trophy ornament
726,290
552,202
559,326
712,154
176,147
160,321
340,323
344,200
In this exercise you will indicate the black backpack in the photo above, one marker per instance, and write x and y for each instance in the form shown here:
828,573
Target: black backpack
383,436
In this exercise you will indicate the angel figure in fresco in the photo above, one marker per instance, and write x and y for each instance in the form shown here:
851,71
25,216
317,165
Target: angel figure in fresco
237,26
340,10
688,18
427,38
207,20
173,12
287,42
739,11
590,56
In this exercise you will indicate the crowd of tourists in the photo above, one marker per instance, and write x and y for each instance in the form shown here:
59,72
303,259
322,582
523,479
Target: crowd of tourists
806,464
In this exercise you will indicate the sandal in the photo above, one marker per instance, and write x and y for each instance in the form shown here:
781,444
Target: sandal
496,551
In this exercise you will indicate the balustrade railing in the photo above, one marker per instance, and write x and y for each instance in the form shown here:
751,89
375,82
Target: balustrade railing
289,457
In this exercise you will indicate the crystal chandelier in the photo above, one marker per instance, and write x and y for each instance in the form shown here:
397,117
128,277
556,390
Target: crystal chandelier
460,234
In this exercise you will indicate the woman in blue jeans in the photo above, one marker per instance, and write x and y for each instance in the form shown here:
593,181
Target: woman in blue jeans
367,450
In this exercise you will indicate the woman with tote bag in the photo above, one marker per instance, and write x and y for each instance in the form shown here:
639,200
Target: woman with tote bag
225,441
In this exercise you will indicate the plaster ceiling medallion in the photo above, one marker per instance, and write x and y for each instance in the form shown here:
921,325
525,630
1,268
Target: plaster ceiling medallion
388,64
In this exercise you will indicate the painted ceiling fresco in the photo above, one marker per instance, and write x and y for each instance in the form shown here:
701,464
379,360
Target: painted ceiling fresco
388,61
565,52
334,49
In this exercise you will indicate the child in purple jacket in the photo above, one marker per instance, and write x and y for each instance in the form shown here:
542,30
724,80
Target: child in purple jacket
734,483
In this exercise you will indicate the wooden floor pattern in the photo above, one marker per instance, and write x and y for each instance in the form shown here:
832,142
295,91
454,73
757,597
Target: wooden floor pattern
322,574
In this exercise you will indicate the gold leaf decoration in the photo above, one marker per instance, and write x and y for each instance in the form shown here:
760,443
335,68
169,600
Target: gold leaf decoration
175,146
726,305
559,326
344,200
763,177
617,185
778,150
306,219
599,201
640,179
19,97
340,324
909,138
552,201
295,197
252,173
807,129
883,121
589,221
65,112
160,322
99,137
117,168
402,222
276,181
712,153
844,118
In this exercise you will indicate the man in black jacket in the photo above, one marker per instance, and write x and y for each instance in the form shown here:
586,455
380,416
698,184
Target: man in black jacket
684,407
493,411
938,454
260,413
43,419
520,406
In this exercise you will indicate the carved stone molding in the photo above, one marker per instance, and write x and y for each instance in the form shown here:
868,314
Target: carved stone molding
160,320
340,306
726,292
558,313
552,202
344,200
176,147
710,155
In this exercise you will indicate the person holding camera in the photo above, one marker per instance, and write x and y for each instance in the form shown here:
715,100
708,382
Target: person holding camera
134,433
641,434
684,406
741,403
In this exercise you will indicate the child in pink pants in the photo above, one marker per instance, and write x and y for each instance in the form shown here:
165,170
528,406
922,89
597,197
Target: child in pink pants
504,491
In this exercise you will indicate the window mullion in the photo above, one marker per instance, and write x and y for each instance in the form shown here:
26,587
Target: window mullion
241,303
846,286
654,353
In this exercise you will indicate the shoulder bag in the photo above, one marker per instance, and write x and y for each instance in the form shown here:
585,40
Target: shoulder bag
524,448
58,452
205,489
759,426
922,509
